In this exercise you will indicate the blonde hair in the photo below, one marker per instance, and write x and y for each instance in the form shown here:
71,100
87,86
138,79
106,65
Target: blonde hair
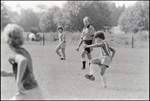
13,35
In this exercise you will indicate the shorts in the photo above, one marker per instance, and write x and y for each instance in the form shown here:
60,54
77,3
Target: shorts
32,94
88,42
63,45
105,60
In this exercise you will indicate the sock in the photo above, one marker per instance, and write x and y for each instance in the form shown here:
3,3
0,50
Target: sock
91,70
84,63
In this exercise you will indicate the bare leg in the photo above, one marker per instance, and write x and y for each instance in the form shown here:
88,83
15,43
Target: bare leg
94,61
83,58
57,50
89,57
103,69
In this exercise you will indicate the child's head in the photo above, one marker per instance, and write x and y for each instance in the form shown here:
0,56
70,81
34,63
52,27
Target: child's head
100,35
86,21
60,29
13,35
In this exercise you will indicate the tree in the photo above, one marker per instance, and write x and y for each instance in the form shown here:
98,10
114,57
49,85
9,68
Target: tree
47,21
75,11
28,19
14,16
5,19
115,13
135,18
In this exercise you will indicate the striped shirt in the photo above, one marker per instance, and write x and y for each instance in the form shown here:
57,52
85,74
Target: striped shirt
105,48
88,33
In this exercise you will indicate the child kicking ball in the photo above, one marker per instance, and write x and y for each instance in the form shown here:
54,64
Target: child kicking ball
27,86
104,60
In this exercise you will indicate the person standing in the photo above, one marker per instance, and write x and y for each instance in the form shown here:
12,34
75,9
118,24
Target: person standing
88,39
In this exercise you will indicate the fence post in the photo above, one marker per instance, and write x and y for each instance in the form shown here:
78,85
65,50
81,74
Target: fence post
43,40
132,41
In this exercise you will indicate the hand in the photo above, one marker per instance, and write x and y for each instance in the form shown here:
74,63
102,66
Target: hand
77,49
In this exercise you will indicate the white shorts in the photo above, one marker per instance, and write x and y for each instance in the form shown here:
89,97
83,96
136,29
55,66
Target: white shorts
105,60
33,94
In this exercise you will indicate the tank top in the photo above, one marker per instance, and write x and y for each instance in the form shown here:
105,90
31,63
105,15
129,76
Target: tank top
28,79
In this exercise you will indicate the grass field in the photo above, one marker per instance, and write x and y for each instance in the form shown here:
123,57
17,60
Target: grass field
127,77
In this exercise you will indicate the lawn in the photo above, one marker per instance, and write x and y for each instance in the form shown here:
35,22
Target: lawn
127,76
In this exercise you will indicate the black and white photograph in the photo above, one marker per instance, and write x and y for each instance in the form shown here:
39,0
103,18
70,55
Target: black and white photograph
75,50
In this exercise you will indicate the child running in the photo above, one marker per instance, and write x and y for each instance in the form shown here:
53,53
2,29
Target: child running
104,60
27,86
62,44
87,37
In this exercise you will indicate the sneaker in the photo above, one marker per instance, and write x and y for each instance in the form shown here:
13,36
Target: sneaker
90,77
82,68
105,86
61,58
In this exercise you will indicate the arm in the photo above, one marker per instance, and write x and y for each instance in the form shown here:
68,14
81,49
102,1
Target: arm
11,59
92,34
90,46
80,43
22,63
4,73
92,31
113,52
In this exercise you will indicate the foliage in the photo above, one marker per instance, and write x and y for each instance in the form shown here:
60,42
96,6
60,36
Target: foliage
34,30
75,11
115,13
5,19
28,19
47,21
135,18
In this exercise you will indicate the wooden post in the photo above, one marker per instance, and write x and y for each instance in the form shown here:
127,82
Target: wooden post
132,41
43,40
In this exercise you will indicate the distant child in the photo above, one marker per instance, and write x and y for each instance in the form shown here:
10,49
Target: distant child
27,86
87,38
105,58
62,44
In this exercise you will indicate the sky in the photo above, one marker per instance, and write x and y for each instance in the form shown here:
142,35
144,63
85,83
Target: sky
32,4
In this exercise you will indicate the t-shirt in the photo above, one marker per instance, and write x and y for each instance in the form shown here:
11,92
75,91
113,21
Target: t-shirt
88,33
105,48
61,36
28,79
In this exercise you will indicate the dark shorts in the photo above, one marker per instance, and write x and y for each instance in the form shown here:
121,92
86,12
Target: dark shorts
88,42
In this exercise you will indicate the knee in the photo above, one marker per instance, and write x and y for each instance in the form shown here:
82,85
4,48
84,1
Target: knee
82,55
